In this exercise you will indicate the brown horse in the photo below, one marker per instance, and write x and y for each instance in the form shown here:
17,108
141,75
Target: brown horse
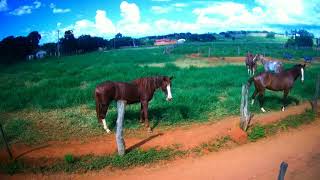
140,90
282,81
251,63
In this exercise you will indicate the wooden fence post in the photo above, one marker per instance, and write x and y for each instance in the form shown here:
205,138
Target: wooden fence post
5,142
119,133
314,101
238,51
209,52
244,111
283,169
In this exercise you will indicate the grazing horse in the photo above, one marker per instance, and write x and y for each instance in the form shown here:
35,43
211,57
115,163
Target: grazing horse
140,90
251,63
282,81
270,65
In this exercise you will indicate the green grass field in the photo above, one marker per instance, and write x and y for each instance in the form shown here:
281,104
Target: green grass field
53,98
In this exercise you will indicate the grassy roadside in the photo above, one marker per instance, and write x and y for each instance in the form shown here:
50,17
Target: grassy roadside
71,164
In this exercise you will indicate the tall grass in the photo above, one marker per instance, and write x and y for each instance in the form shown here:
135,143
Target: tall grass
198,93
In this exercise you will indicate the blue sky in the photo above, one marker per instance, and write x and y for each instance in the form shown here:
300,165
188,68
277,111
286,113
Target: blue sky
139,18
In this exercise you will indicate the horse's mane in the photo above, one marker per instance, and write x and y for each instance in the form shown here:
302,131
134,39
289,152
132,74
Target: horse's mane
149,82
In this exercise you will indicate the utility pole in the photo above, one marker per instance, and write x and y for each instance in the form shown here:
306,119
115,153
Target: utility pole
58,45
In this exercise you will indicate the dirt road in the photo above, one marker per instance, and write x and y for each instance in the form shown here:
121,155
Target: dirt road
187,137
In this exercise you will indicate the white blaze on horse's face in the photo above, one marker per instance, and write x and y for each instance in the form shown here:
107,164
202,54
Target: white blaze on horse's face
302,74
169,95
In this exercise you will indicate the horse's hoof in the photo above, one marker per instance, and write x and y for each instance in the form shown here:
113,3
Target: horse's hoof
263,110
108,131
282,109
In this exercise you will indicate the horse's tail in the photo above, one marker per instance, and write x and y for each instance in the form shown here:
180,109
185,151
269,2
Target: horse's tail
250,81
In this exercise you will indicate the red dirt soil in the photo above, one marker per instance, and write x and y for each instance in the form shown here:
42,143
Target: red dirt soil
186,137
300,148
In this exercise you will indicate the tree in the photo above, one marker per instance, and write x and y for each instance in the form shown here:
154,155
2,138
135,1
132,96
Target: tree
34,39
270,35
301,38
69,42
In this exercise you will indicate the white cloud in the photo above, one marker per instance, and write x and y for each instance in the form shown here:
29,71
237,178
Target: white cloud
130,24
160,9
161,0
37,4
3,5
56,10
22,10
27,9
130,12
103,23
180,5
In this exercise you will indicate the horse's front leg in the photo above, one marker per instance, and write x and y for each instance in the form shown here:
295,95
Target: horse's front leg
145,112
285,95
141,114
102,116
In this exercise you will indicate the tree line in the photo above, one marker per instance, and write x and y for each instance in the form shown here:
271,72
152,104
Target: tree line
16,49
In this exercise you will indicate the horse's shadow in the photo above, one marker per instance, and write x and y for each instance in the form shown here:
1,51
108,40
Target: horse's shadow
142,142
271,99
155,115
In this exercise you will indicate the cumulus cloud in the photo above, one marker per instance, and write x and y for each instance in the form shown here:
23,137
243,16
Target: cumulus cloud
160,9
22,10
130,23
3,5
56,10
27,9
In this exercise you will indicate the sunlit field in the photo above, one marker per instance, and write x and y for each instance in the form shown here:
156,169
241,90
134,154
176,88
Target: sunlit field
53,98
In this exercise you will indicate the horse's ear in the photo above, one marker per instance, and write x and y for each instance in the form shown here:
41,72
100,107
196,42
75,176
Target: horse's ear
171,77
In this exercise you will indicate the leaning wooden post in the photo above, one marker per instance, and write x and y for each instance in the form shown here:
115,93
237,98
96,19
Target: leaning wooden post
244,111
283,169
5,142
119,133
209,52
314,102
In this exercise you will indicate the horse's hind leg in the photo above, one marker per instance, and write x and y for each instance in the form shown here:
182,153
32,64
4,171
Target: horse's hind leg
145,112
254,96
285,103
261,101
141,114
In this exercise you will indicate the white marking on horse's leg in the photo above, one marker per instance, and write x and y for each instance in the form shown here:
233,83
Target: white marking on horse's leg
249,71
169,96
105,126
282,109
262,109
302,74
252,101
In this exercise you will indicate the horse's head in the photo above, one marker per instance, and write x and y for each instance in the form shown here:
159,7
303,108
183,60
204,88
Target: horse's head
166,87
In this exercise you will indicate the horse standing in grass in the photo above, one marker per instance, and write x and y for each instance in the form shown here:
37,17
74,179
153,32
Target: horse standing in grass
251,63
282,81
140,90
270,65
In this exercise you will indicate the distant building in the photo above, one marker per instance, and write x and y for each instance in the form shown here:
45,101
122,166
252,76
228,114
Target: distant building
181,41
30,57
41,54
160,42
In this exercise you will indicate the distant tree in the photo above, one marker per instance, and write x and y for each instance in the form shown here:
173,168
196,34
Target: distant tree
50,48
270,35
301,38
119,35
34,39
69,42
